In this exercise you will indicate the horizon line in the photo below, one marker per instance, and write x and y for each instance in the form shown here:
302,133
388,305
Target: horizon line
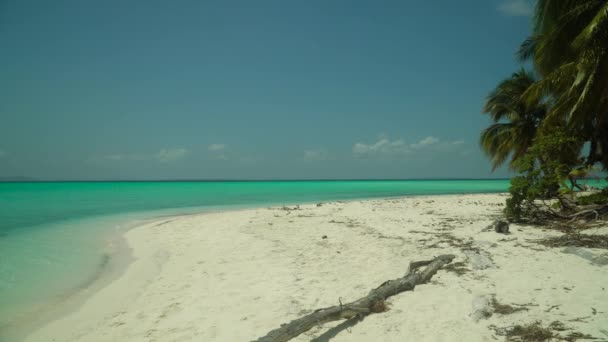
17,180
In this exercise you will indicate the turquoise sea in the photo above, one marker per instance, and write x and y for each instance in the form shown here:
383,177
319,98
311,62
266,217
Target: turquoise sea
55,237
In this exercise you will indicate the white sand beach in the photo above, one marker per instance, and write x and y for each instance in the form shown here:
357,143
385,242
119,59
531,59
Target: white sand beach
234,276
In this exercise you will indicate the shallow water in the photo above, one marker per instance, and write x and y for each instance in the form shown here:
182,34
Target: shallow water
54,237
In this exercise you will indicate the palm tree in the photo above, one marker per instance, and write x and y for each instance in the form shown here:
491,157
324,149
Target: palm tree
515,120
569,49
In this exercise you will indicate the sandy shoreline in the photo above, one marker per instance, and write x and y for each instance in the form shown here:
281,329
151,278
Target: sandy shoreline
115,260
233,276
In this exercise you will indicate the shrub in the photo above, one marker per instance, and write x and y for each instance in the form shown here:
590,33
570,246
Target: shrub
543,171
596,198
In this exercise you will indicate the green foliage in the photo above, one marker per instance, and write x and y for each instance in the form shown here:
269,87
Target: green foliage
542,124
515,209
581,172
515,121
596,198
569,49
542,170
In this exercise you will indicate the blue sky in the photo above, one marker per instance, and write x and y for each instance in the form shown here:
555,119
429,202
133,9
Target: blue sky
251,89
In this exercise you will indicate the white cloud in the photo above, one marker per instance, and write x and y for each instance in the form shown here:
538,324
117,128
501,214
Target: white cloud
216,147
316,155
218,151
171,155
385,146
516,8
382,146
428,141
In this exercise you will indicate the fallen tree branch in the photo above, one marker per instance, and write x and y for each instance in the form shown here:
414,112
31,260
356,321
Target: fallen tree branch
545,212
372,303
597,212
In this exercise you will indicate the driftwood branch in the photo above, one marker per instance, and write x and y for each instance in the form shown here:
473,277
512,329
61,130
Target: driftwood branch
596,212
544,212
372,303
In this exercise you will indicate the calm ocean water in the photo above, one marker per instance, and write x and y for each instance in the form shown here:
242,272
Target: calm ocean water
55,236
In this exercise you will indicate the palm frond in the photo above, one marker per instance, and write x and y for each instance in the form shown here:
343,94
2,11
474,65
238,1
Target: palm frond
599,24
527,48
587,89
551,85
496,142
505,100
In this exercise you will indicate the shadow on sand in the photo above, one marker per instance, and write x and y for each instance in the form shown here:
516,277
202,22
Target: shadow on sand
333,332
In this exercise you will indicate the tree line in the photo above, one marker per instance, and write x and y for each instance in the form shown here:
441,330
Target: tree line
550,118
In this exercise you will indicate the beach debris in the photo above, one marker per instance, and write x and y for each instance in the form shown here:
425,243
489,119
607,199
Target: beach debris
535,332
499,226
459,268
446,239
372,303
478,260
598,260
324,237
506,309
319,204
530,332
482,307
577,240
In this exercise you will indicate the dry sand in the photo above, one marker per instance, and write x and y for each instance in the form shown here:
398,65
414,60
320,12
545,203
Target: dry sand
234,276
